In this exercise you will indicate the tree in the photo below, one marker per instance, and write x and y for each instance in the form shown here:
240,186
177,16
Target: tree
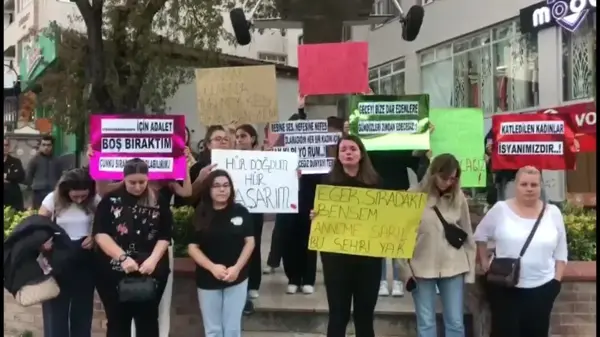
133,55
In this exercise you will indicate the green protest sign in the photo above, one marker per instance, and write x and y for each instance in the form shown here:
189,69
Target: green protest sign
390,122
459,131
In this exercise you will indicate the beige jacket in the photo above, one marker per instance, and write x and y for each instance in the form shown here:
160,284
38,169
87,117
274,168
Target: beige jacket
433,256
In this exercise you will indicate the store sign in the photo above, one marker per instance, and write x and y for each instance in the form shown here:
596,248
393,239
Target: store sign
581,119
36,58
568,14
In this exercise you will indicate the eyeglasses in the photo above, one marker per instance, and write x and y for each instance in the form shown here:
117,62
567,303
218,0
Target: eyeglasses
220,140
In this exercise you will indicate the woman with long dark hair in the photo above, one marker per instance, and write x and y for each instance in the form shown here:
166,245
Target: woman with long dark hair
221,248
132,228
349,278
246,138
71,206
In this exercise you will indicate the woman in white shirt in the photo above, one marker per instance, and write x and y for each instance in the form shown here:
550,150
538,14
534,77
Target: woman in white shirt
524,310
71,205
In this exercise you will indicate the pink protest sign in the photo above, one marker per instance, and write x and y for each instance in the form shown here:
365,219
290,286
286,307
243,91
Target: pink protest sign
159,140
333,68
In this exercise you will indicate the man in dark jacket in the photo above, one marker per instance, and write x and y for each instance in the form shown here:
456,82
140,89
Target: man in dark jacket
42,171
13,176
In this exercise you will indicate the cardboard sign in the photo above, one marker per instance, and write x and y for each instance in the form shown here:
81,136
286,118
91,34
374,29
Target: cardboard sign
264,181
243,94
539,140
366,222
460,132
385,122
333,68
160,141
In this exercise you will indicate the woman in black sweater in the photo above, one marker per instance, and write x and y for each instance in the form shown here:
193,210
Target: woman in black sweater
351,278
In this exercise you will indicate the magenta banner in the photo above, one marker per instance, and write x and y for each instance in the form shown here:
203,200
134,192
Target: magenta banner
158,140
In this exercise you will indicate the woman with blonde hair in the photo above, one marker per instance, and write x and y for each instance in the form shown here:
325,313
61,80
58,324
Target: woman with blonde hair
444,254
529,237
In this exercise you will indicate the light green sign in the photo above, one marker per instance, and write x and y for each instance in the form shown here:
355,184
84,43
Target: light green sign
460,132
390,122
35,59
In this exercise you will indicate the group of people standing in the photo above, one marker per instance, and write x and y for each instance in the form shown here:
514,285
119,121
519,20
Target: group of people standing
120,233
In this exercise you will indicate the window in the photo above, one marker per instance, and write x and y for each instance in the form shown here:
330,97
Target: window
388,78
384,7
578,59
271,57
23,4
495,69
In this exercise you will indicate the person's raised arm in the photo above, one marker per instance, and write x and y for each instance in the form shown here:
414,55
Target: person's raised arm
184,190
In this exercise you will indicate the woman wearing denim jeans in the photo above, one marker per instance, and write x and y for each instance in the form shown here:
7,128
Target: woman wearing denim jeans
397,286
222,246
435,261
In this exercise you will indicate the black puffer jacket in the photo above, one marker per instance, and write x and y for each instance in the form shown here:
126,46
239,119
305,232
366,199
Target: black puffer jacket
22,248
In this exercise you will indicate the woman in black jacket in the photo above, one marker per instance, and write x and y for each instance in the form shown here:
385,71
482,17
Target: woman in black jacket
13,176
132,227
350,278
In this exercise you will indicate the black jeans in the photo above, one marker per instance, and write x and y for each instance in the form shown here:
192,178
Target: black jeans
255,270
299,263
274,259
70,314
350,279
38,197
119,315
522,312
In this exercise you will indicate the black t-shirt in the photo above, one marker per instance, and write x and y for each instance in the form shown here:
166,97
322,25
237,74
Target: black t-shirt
222,243
136,229
392,165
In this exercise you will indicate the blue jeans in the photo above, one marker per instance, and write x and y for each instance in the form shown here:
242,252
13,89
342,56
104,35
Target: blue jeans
451,293
222,310
70,314
395,270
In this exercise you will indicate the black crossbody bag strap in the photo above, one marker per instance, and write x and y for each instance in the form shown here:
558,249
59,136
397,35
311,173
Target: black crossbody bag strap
533,230
440,216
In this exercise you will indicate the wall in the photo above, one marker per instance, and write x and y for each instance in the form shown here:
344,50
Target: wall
184,102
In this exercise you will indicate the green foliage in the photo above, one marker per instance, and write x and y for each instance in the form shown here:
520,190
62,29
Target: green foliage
26,333
12,218
133,54
580,224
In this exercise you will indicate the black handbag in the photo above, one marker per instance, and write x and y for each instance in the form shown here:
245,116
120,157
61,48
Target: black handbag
505,271
137,289
455,236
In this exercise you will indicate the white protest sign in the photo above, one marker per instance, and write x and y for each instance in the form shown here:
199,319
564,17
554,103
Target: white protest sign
309,139
264,181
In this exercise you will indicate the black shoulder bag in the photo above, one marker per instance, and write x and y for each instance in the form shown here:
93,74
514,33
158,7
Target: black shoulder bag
455,236
505,271
136,287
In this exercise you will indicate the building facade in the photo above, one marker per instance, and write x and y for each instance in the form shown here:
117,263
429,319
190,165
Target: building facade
487,54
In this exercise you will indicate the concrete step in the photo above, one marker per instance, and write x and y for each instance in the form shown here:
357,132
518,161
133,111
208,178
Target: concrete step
278,312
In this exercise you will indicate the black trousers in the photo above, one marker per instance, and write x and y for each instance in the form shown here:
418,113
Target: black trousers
255,270
299,263
119,315
274,259
522,312
348,279
38,197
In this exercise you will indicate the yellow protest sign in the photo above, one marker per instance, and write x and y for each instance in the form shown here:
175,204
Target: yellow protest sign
243,94
367,222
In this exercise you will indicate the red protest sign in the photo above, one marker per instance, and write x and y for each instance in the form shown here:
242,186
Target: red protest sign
333,68
581,118
539,140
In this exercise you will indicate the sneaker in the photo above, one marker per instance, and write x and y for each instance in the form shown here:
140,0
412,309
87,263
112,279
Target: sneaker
397,289
248,308
306,289
253,294
292,289
384,289
268,270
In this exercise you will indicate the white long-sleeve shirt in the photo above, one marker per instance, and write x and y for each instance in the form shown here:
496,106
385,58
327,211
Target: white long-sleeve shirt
509,232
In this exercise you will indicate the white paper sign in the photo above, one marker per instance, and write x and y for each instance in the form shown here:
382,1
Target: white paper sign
264,181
